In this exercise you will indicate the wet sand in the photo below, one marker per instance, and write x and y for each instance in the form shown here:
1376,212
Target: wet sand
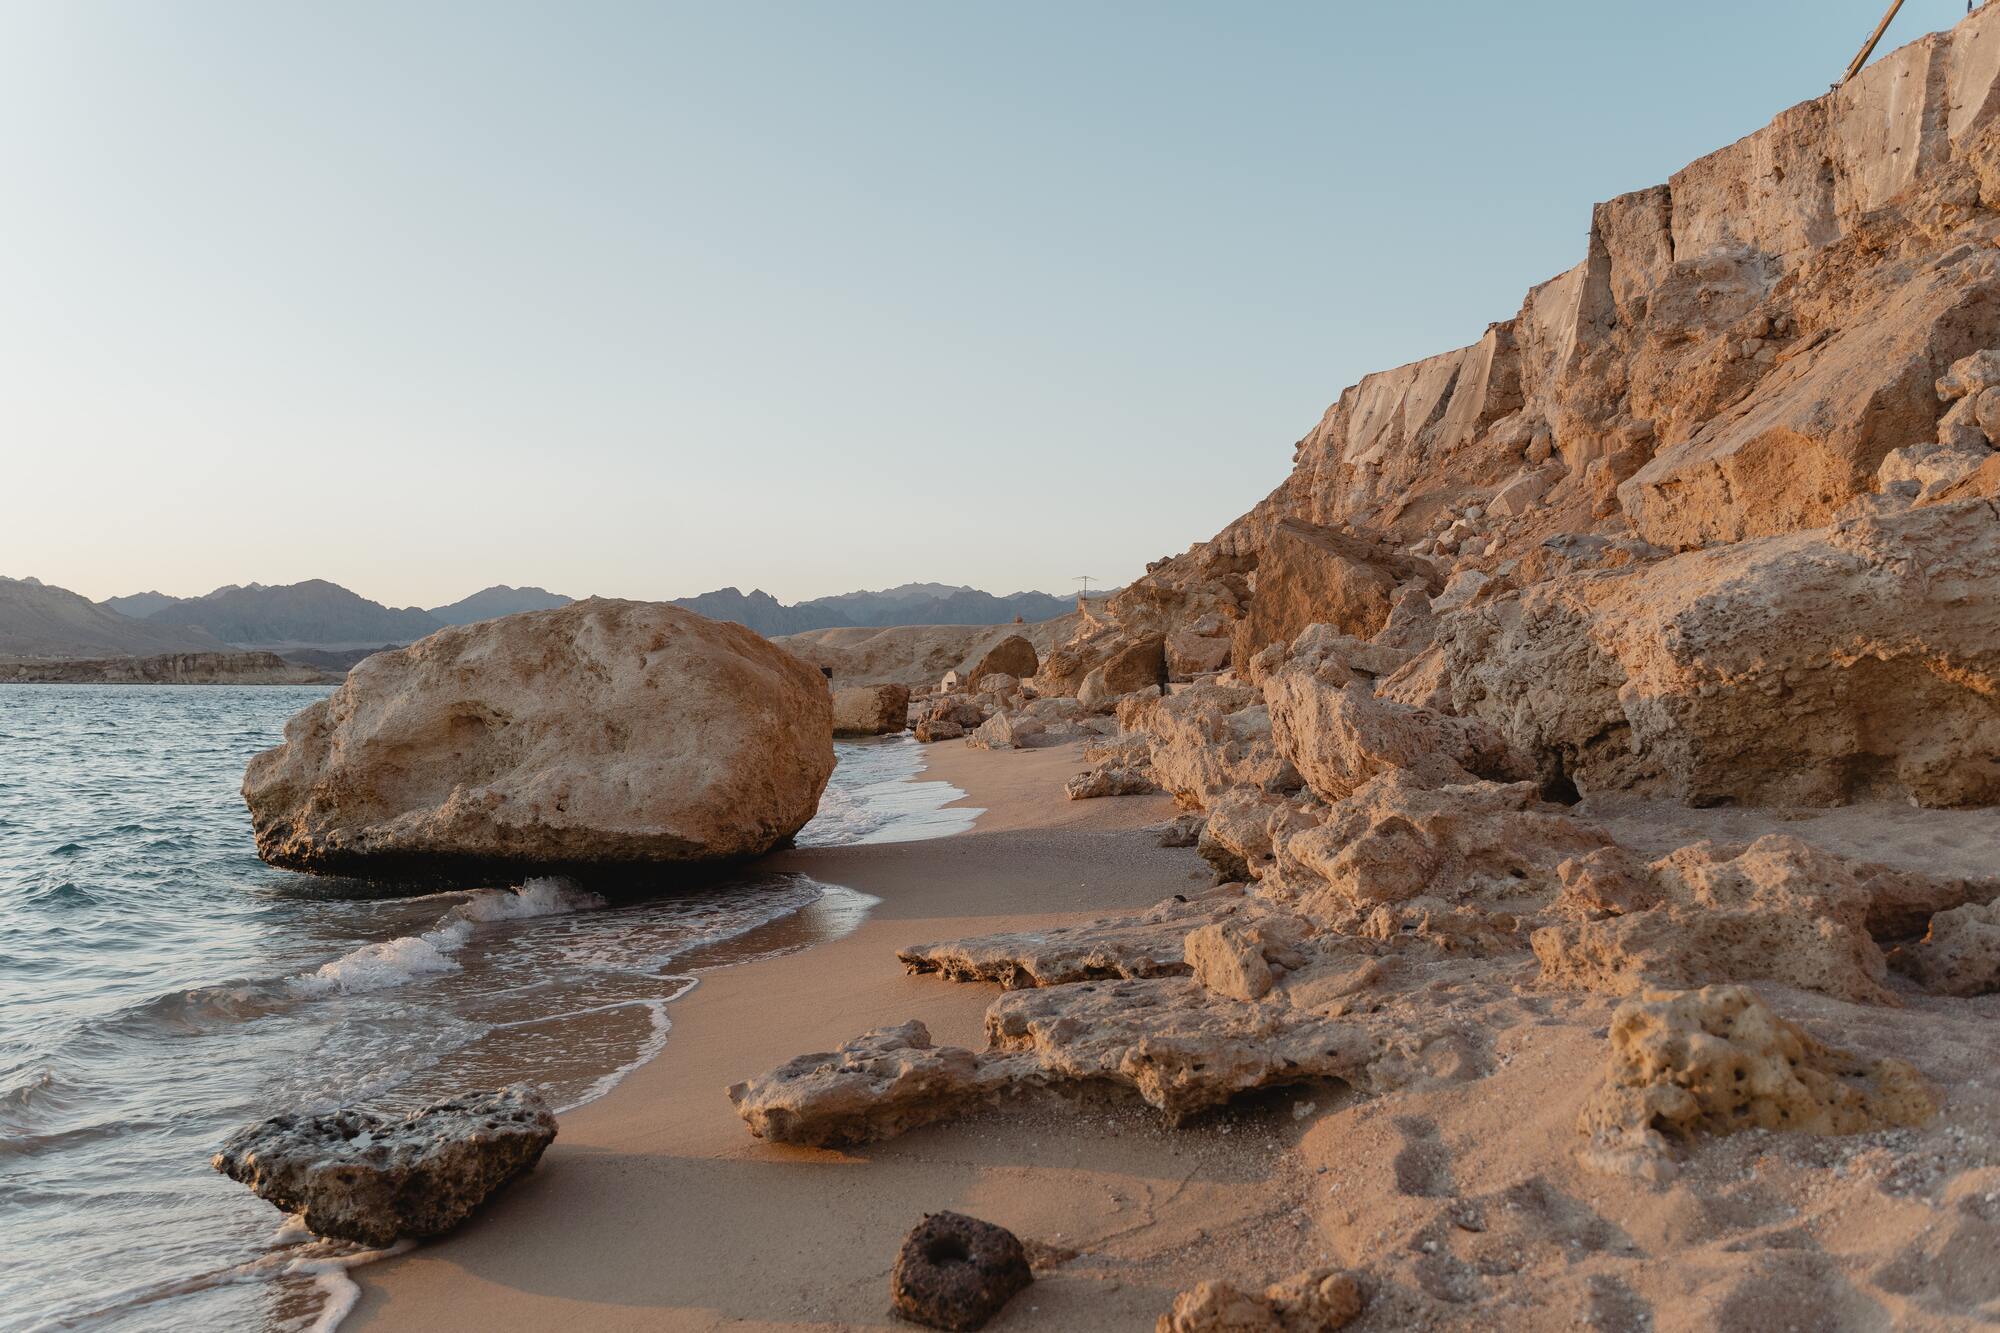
656,1208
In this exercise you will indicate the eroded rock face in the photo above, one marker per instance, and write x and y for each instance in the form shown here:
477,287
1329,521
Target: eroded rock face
956,1272
871,710
1959,955
1313,574
1319,1300
1208,740
371,1179
1814,668
604,737
1777,909
1718,1060
1340,737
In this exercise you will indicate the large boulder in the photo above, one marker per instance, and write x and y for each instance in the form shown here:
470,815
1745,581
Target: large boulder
871,710
1012,656
1310,575
602,737
1813,668
1338,737
371,1179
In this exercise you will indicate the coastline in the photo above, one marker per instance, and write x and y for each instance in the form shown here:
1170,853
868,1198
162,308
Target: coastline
656,1208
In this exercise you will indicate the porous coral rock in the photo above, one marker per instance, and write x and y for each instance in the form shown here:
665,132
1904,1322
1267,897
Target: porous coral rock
1320,1300
370,1178
1209,740
1718,1060
1959,955
1777,909
1110,780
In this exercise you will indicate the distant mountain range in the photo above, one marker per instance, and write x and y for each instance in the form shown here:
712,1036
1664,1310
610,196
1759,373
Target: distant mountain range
910,604
37,620
330,626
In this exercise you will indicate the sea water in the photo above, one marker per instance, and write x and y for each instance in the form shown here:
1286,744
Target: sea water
159,986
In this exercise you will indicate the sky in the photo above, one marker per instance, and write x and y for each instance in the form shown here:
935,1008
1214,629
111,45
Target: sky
647,299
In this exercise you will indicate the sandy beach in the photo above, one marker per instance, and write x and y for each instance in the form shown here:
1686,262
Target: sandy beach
657,1209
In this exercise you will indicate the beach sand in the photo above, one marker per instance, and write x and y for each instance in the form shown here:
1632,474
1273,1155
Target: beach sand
1465,1200
657,1209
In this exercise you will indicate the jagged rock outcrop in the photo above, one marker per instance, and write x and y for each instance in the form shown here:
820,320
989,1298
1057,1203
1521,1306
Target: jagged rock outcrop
871,710
1811,668
1146,945
1310,574
1717,1061
1205,740
1777,910
605,737
1396,839
371,1179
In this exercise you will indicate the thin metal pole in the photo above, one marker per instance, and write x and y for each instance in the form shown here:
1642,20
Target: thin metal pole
1868,48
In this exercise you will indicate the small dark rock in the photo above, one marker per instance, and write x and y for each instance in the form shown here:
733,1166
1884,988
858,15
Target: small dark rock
371,1178
955,1272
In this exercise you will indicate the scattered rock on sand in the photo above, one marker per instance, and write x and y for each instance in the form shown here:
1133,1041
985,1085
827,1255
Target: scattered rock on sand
371,1178
1318,1301
601,737
956,1272
871,710
1718,1060
1959,955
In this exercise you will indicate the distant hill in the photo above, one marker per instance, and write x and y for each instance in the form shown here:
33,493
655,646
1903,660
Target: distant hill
498,600
314,612
139,605
910,604
39,620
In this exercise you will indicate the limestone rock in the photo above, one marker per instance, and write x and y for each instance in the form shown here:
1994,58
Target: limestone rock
1496,845
938,729
956,1272
1320,1300
1813,668
1777,910
601,737
1146,945
1718,1060
877,1086
1190,654
1235,958
1931,468
871,710
1959,955
1243,830
1110,780
1012,656
1007,731
1203,746
1339,738
1313,574
370,1178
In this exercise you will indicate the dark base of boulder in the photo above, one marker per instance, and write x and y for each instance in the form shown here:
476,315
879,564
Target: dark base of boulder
656,871
956,1272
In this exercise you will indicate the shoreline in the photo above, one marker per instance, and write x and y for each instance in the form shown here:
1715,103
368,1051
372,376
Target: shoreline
656,1208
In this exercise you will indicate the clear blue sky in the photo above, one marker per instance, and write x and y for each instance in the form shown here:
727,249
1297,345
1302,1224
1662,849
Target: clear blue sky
643,299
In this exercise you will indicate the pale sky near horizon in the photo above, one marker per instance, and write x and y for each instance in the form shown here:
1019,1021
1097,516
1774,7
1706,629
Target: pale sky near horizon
647,299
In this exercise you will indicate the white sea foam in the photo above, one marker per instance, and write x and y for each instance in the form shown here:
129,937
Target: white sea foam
404,959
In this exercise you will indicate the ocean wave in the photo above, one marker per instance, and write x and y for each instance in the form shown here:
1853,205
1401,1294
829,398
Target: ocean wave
407,958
